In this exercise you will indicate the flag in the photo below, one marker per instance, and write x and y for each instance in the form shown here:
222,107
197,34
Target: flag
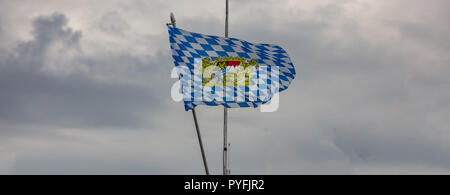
228,71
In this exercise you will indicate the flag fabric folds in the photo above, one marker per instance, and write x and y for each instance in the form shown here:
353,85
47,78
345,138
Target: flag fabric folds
228,71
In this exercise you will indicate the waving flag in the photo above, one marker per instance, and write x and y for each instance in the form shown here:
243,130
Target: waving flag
228,71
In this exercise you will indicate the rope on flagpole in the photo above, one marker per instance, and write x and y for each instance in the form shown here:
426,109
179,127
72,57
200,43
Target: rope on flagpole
173,23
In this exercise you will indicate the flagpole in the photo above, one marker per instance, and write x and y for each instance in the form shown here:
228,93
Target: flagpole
200,141
225,111
173,23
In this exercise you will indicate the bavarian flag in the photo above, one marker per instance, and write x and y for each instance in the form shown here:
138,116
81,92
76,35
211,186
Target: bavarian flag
228,71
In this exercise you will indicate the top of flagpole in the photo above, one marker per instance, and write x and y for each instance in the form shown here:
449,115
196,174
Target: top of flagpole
226,19
172,20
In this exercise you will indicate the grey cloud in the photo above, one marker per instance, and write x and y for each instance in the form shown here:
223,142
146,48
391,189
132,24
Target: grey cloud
46,31
113,22
50,28
430,36
31,95
365,95
358,104
360,89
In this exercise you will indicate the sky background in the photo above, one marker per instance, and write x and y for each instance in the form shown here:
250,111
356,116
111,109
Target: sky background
85,88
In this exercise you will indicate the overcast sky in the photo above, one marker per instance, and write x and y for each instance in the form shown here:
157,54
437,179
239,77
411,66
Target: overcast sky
85,88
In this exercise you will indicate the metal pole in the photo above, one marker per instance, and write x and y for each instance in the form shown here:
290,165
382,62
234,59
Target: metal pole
225,147
200,141
225,110
173,23
226,19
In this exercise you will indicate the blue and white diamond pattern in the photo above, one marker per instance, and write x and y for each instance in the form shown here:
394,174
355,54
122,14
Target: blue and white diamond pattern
189,47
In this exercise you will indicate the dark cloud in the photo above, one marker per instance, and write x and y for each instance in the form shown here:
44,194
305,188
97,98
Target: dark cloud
31,95
47,29
29,56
